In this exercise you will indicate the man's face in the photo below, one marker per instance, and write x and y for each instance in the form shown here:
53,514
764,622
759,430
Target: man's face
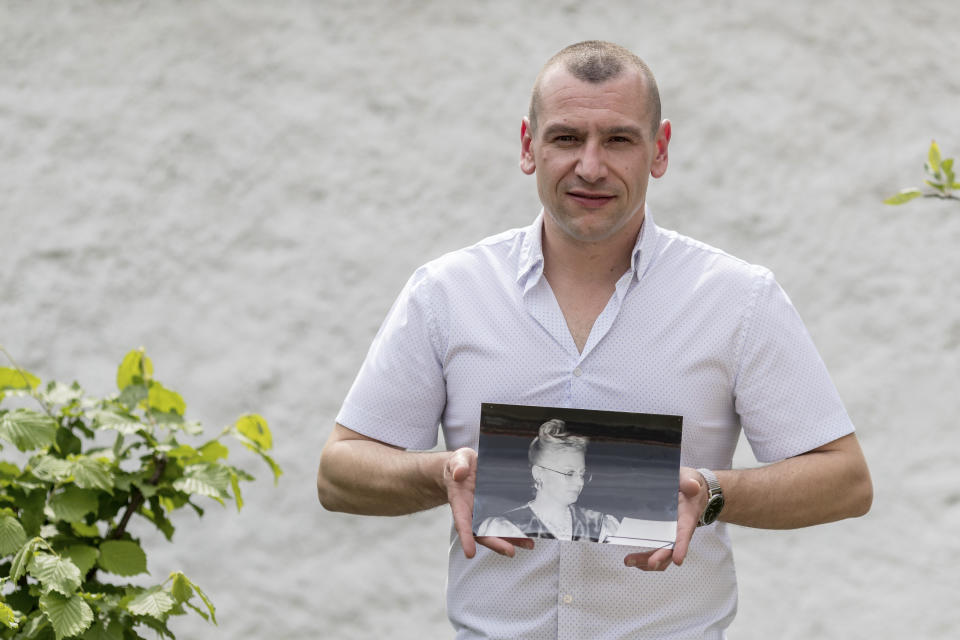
593,153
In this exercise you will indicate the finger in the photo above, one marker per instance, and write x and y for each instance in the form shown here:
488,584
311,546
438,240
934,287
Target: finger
459,479
505,546
657,560
686,526
464,526
461,504
688,513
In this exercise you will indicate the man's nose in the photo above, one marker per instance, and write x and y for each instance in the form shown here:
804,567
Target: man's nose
591,165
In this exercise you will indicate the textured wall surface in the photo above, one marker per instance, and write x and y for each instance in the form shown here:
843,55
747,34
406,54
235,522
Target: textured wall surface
243,188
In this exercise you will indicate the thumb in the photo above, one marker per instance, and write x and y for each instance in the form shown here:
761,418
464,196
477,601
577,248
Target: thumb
689,487
461,463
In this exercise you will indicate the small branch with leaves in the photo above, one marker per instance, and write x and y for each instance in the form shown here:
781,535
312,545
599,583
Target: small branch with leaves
62,547
940,177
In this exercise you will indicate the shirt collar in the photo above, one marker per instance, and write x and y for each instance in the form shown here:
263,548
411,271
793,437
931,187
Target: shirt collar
530,262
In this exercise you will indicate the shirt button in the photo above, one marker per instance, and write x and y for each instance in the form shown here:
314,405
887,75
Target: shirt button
567,599
577,372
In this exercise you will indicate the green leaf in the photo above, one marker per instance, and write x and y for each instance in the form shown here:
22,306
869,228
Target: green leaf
933,156
947,166
84,556
69,616
36,626
184,451
183,589
133,395
237,495
12,535
8,617
255,428
92,474
8,470
274,467
126,425
153,602
904,196
31,511
98,632
936,185
122,557
20,562
205,479
67,443
85,530
28,430
157,515
51,469
213,451
136,368
164,400
56,573
59,393
14,379
73,503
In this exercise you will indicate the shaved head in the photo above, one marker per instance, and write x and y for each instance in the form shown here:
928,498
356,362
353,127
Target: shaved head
595,61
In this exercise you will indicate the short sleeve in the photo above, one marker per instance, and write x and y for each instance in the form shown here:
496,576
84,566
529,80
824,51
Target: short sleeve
399,393
784,396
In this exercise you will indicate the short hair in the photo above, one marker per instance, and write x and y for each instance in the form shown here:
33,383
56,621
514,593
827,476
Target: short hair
596,61
553,436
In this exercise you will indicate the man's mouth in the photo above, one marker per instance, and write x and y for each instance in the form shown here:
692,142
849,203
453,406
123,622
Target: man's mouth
589,199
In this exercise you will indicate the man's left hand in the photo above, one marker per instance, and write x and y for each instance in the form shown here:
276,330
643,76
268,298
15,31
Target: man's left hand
691,501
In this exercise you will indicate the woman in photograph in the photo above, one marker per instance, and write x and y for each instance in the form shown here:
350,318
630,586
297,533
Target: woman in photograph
558,466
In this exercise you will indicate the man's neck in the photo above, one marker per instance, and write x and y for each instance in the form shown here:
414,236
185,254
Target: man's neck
587,263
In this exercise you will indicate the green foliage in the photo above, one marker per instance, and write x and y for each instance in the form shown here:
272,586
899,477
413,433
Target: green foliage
940,177
94,468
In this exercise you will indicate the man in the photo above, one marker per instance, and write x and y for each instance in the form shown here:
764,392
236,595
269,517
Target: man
595,307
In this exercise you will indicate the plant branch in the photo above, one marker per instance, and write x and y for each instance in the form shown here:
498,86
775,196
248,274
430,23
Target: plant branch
136,501
941,196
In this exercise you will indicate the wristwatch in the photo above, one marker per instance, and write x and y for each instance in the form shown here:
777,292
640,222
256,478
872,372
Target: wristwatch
714,498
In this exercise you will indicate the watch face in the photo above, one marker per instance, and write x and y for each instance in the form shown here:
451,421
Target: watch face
713,509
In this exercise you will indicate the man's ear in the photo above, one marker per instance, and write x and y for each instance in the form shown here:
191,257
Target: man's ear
527,164
661,158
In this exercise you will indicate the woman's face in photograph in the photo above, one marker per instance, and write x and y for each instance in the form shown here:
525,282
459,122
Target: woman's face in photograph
560,475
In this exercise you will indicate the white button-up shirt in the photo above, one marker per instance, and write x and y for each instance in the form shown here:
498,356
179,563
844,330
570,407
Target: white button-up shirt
689,331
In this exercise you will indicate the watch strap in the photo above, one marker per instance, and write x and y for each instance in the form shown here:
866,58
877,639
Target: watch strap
714,498
713,485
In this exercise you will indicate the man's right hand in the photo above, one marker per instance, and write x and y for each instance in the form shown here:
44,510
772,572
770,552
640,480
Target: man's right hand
460,481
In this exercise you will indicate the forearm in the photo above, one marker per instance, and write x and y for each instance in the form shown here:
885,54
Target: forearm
363,476
827,484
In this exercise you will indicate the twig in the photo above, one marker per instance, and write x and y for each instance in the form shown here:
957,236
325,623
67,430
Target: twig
137,500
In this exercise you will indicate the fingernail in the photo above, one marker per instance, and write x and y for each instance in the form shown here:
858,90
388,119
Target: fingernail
631,562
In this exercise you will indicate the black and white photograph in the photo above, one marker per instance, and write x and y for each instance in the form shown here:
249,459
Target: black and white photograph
577,475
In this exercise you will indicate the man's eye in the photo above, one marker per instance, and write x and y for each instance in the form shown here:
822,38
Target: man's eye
619,139
567,138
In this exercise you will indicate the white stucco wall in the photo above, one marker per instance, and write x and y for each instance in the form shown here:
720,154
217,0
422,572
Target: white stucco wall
244,187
